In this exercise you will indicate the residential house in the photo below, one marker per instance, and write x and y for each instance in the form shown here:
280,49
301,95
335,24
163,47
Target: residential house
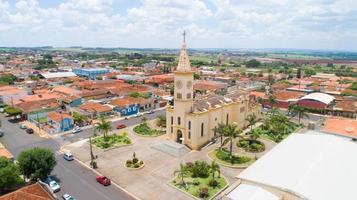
346,108
341,127
37,111
125,106
59,122
11,94
35,191
96,110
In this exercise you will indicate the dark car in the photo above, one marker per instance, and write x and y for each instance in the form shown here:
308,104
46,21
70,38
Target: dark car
121,126
29,131
103,180
1,133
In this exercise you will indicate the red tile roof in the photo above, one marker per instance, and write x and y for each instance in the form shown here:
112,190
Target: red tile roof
31,192
57,117
341,126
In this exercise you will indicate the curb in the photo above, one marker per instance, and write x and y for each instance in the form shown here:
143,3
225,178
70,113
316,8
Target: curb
96,172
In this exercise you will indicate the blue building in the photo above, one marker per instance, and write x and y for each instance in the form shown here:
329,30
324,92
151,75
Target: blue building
90,73
125,106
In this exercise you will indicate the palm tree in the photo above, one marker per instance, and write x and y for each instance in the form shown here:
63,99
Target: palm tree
220,129
215,168
251,119
231,133
254,134
104,127
298,110
182,172
272,101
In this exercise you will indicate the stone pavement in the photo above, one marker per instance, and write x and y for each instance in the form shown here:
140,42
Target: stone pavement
150,182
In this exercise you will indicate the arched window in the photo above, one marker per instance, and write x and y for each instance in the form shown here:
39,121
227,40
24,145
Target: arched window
172,120
189,125
178,120
189,134
227,119
202,130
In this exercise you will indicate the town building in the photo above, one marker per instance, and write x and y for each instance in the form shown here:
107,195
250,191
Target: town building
303,166
317,101
11,94
90,73
34,191
191,121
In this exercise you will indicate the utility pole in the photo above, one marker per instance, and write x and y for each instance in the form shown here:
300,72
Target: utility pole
91,153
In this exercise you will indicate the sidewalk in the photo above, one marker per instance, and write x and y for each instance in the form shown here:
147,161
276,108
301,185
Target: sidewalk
40,132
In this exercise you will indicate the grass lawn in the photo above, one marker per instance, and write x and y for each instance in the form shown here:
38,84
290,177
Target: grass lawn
240,161
194,184
112,141
145,130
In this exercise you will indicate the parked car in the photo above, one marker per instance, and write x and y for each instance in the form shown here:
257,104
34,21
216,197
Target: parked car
29,131
55,187
76,130
67,197
103,180
151,111
68,156
121,126
138,115
23,126
1,133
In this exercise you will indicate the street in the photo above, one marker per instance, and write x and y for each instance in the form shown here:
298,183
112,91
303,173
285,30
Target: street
74,178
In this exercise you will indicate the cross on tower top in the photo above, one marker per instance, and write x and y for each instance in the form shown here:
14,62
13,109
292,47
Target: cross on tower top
184,36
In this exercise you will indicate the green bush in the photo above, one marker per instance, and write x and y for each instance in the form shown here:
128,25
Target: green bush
135,160
203,192
141,162
136,165
112,140
200,169
251,145
129,162
213,183
195,182
223,154
144,129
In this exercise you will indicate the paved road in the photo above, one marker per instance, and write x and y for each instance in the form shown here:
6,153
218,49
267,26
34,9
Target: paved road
70,138
74,178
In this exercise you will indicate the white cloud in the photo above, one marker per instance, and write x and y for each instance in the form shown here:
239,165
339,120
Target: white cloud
156,23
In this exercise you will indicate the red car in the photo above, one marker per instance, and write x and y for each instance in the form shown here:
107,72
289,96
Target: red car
120,126
103,180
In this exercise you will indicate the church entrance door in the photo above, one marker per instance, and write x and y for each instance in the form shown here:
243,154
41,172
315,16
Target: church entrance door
179,136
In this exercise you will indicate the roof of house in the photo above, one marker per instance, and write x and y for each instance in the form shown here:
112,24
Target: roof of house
65,90
317,96
349,105
96,107
31,192
128,100
305,165
208,85
341,126
57,117
39,97
31,106
8,90
261,95
283,95
58,74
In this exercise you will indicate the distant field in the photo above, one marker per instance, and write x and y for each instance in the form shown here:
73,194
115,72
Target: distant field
295,56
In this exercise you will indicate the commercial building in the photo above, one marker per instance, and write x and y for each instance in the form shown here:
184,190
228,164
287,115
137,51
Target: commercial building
90,73
303,166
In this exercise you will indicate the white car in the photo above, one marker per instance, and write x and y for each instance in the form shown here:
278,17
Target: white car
23,126
55,187
67,197
76,130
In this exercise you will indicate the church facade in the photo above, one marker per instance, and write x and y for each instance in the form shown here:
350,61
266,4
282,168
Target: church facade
191,121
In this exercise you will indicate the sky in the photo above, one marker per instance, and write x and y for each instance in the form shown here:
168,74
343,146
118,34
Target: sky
292,24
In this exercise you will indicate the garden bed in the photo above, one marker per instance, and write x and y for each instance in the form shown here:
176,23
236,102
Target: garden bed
222,157
252,146
134,164
111,141
145,130
200,187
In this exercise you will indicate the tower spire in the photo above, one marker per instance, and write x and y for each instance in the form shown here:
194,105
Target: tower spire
184,62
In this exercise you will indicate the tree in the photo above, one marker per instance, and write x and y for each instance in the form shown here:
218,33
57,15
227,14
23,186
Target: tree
215,168
253,63
220,129
272,101
298,110
254,134
182,172
196,76
104,127
231,133
78,118
161,121
36,163
9,175
251,119
13,111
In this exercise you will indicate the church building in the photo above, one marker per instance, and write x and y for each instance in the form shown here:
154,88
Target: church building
190,120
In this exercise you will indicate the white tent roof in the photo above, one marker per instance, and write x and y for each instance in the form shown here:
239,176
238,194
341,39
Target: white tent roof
251,192
58,74
317,96
312,166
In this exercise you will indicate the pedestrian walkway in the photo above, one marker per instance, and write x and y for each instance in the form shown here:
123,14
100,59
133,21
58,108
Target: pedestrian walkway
40,132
